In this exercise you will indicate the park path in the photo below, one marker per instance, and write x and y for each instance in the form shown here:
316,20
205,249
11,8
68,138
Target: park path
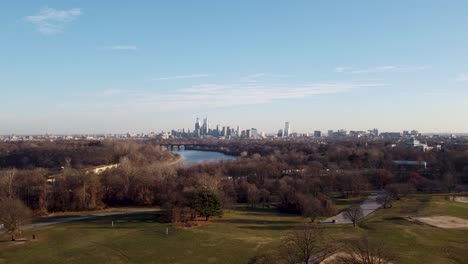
368,207
47,221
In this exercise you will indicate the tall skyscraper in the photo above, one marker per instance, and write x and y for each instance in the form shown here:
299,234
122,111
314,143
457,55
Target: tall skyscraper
197,127
287,129
205,127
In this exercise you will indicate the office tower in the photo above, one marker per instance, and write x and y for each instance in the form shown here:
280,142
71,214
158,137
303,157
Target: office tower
254,132
280,133
317,133
238,131
205,127
197,130
287,129
248,133
223,132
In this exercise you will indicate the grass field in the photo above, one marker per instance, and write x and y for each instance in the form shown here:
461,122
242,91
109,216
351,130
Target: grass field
235,238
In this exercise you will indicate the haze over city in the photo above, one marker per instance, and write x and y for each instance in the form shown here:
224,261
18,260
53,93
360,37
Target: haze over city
96,67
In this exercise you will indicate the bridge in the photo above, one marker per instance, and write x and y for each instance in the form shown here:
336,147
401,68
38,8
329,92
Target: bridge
187,146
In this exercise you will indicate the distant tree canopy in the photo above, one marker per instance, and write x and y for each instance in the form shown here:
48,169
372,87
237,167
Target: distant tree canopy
81,154
301,176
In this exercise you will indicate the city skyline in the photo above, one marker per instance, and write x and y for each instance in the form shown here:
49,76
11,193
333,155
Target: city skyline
87,67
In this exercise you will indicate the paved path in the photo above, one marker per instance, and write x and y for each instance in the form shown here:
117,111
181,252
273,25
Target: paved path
65,219
368,207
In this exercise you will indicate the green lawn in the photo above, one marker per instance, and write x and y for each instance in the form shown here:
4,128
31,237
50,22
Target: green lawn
140,238
236,237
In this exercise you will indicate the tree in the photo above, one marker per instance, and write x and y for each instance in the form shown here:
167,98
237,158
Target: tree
354,214
386,200
304,245
365,251
382,177
6,182
253,194
399,190
13,215
311,207
207,204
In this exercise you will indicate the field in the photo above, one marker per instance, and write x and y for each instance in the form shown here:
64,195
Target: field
236,237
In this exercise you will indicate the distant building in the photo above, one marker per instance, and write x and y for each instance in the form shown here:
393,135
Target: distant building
248,133
390,135
414,143
254,132
410,163
280,133
317,133
374,132
287,129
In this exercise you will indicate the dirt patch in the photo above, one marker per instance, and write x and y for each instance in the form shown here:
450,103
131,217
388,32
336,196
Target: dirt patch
461,199
448,222
333,258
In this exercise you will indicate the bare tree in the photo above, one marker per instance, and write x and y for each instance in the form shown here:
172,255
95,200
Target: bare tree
354,214
304,245
386,200
6,182
13,215
365,251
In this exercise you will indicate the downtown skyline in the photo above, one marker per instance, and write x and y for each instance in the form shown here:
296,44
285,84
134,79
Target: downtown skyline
88,67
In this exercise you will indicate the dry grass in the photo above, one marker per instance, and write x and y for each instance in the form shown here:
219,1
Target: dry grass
448,222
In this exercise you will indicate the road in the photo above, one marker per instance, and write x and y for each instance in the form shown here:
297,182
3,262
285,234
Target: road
368,207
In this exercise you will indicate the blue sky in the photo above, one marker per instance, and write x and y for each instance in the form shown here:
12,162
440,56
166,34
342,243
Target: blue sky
142,66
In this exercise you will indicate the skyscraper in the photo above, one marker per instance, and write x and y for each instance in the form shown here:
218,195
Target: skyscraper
287,129
205,127
197,127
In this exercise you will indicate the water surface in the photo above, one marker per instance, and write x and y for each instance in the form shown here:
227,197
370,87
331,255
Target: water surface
198,156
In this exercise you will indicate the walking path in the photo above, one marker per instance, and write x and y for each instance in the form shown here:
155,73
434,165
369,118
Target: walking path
65,219
368,207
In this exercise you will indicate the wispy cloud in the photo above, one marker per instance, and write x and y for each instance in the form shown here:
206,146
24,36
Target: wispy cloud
381,69
110,92
259,76
178,77
52,21
462,77
223,95
124,47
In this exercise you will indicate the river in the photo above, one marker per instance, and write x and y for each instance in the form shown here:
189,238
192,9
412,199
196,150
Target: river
198,156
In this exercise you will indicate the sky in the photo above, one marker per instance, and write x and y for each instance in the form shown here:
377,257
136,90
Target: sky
140,66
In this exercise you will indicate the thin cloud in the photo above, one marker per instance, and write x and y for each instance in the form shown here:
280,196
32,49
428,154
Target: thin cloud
381,69
462,77
179,77
258,76
52,21
225,95
124,47
111,92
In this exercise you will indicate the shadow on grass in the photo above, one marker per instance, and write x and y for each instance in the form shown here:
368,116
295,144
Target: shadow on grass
269,228
254,222
414,206
147,217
